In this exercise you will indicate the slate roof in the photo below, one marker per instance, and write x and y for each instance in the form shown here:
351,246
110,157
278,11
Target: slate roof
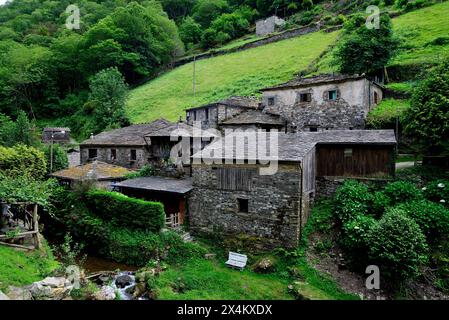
179,129
127,136
319,79
56,129
103,171
254,117
160,184
294,146
245,102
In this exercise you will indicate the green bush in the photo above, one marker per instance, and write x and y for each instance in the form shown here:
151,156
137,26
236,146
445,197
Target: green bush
432,218
352,200
21,160
402,191
398,246
401,3
379,203
60,159
437,191
121,210
355,237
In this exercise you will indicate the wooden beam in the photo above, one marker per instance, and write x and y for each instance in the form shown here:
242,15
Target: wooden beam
15,246
19,235
37,241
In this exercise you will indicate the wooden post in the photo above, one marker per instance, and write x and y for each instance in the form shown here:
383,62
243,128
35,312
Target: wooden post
37,241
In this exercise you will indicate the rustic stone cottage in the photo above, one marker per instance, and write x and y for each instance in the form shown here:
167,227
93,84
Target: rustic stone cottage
124,147
56,135
324,102
232,196
213,114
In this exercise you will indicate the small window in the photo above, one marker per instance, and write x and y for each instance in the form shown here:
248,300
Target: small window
348,152
305,97
133,155
313,129
194,115
93,153
376,98
113,154
207,114
271,101
243,205
187,115
332,94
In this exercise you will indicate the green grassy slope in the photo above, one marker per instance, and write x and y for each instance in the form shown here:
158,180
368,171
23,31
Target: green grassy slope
240,73
417,30
18,268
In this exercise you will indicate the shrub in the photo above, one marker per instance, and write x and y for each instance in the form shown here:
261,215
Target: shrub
398,246
432,218
401,3
402,191
60,159
388,2
352,199
437,191
121,210
355,235
379,203
21,160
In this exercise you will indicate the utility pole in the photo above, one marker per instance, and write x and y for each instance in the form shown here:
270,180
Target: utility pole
194,80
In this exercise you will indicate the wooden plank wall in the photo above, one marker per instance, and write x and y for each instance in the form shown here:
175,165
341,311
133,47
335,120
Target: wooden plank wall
366,161
234,178
309,171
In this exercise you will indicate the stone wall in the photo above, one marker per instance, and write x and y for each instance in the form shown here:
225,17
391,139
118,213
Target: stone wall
273,204
123,156
354,101
217,113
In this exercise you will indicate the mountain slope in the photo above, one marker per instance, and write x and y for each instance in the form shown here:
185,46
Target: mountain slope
240,73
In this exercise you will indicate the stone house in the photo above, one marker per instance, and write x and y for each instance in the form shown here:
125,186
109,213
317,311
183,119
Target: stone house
233,197
124,147
269,25
56,135
324,102
213,114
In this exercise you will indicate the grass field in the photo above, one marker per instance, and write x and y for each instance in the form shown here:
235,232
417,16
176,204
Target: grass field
240,73
18,268
418,30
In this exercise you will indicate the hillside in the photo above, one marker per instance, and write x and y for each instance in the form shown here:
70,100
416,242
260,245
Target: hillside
423,33
240,73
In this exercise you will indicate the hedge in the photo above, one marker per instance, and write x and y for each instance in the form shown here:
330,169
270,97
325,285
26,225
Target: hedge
21,160
120,210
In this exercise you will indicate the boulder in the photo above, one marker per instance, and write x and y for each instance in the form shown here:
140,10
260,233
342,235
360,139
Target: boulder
264,265
3,296
105,293
51,288
139,290
54,282
143,276
123,281
15,293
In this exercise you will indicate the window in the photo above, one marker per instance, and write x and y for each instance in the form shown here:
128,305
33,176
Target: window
348,152
194,115
243,205
313,129
93,153
271,101
133,155
187,115
332,95
207,114
113,154
376,98
305,97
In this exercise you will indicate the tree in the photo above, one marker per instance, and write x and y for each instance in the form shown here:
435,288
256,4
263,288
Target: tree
206,11
364,50
108,96
59,158
190,31
427,119
25,131
177,9
7,131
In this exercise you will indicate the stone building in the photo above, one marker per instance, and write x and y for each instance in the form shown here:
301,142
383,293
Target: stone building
56,135
269,25
124,147
233,197
213,114
324,102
